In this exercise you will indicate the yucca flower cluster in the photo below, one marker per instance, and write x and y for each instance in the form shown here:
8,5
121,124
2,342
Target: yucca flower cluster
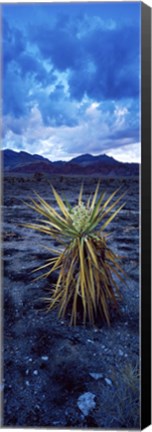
80,216
86,265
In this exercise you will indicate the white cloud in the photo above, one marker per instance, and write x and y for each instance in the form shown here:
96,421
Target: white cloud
96,23
92,109
93,133
120,114
127,153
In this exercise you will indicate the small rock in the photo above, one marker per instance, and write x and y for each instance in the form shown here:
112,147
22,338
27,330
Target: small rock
95,375
45,357
30,359
56,423
86,403
35,372
27,383
90,341
27,371
120,352
108,381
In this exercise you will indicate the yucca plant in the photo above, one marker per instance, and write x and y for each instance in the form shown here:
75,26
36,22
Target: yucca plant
86,265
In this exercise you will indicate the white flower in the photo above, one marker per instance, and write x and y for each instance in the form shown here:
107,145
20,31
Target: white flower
80,216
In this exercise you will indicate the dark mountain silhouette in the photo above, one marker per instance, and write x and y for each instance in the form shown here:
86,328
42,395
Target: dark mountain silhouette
12,159
88,159
85,164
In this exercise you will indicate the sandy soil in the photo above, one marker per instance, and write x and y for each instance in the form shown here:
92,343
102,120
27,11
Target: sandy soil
48,365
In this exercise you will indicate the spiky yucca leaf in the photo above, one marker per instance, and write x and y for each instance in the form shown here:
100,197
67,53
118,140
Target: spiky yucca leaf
86,265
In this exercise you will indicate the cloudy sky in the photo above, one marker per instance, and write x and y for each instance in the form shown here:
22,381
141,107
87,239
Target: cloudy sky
71,79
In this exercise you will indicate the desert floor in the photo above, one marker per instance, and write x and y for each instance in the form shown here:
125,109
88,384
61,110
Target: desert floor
48,365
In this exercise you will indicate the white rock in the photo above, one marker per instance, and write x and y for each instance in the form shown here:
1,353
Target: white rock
108,381
35,372
120,352
45,357
86,403
90,341
56,423
95,375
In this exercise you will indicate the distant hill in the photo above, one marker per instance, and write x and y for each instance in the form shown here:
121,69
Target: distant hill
12,159
88,159
85,164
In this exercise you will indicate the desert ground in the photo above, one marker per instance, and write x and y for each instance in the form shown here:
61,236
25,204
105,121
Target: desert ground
47,365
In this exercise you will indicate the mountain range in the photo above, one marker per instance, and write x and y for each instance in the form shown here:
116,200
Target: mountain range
85,164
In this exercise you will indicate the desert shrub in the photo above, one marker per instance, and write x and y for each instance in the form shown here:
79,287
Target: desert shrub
127,394
87,266
38,176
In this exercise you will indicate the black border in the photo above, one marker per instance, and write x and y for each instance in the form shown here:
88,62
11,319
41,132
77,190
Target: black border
145,216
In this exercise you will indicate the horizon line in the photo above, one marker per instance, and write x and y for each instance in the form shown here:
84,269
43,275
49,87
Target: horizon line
69,158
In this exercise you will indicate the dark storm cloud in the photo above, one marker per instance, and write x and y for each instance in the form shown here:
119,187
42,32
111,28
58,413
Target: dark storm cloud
132,133
14,92
74,75
102,62
30,66
117,53
57,46
22,70
56,108
15,50
13,43
114,56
